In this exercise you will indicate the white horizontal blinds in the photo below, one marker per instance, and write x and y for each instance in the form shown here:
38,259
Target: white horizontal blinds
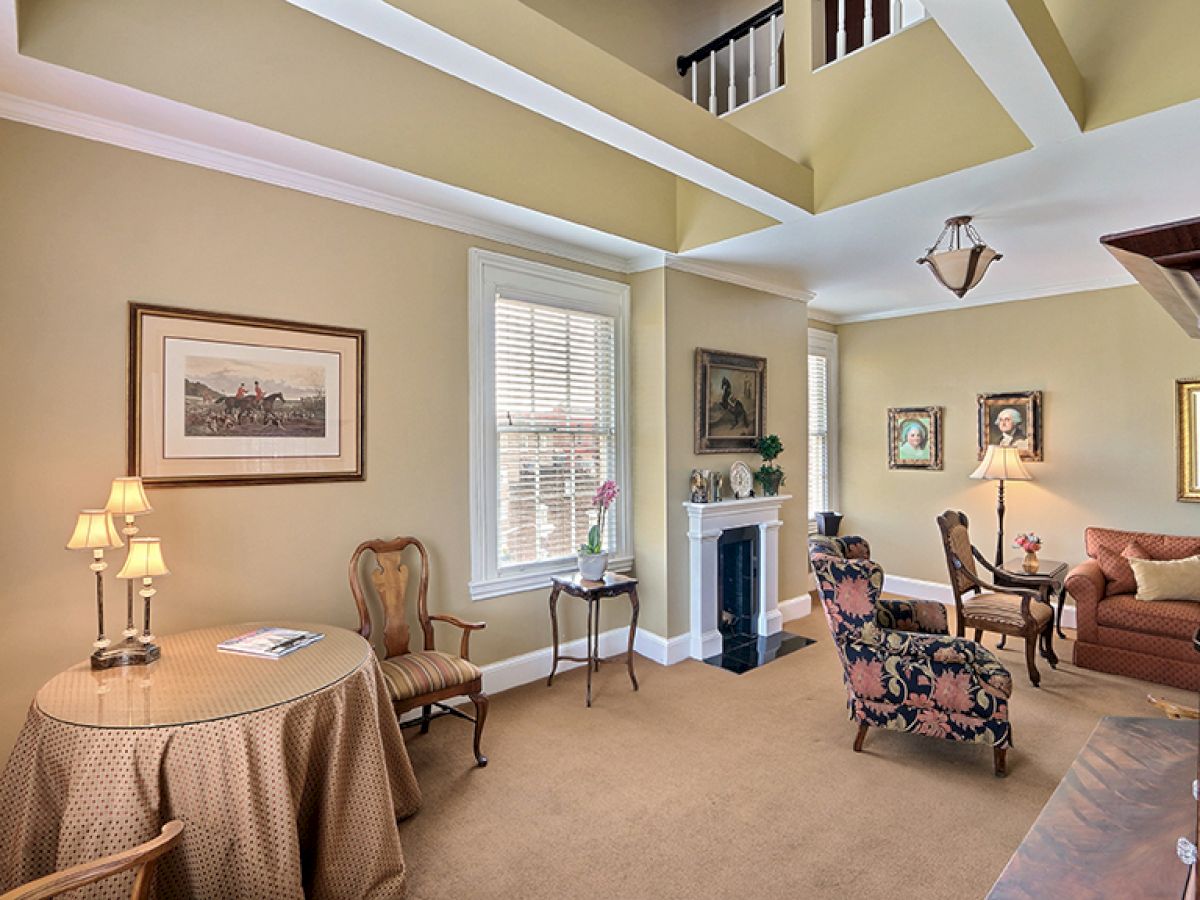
556,427
818,434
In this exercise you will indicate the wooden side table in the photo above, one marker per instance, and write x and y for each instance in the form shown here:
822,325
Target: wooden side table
1052,574
593,592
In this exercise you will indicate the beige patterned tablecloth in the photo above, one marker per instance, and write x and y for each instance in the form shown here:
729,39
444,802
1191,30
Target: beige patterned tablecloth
296,798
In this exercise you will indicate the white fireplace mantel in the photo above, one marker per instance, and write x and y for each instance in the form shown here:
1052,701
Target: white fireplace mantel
706,521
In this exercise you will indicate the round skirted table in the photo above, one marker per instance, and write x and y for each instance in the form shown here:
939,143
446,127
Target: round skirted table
288,774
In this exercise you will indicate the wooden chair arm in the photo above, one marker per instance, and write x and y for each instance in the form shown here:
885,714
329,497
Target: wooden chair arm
467,628
144,855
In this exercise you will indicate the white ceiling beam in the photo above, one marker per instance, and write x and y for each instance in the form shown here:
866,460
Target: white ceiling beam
991,39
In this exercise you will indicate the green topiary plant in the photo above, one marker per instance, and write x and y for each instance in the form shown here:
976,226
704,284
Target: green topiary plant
769,475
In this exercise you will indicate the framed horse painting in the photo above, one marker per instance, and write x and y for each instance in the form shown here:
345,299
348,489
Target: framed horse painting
730,401
227,399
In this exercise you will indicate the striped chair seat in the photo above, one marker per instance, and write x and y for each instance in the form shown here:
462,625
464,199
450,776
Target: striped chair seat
425,672
1004,609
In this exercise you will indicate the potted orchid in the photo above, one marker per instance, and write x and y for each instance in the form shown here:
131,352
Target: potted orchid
1031,544
593,559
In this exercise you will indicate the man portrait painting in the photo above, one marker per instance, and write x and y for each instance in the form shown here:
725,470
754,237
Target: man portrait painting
1008,429
1012,420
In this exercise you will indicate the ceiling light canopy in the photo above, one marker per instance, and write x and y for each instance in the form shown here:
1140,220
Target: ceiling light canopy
961,264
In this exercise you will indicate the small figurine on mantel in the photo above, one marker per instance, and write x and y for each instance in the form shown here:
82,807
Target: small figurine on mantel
699,487
716,483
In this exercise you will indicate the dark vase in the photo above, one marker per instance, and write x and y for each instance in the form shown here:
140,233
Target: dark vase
828,523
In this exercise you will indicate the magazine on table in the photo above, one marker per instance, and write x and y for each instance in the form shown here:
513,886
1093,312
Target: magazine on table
271,643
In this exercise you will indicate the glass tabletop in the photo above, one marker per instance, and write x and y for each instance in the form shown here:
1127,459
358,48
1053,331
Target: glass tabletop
193,681
1046,567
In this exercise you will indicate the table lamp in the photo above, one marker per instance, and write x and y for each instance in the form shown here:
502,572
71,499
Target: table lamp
145,561
94,530
1001,464
127,498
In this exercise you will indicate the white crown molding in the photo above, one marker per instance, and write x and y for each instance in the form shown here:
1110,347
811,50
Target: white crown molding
1050,290
130,137
718,273
820,315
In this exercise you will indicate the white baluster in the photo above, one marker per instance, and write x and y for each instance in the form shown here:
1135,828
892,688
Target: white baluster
774,55
695,66
841,31
712,82
753,74
868,23
732,83
897,16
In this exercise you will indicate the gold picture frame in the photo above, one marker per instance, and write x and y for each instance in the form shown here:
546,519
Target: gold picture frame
915,437
1187,436
730,401
1011,419
224,399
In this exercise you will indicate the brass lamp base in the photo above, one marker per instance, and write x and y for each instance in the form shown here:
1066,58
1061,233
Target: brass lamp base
130,652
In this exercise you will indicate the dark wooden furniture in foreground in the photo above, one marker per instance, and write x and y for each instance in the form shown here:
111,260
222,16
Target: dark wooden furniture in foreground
143,858
1051,578
415,678
593,592
1111,827
1020,608
1165,260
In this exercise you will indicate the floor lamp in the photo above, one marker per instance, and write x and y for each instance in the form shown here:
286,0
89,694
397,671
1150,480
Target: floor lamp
1001,464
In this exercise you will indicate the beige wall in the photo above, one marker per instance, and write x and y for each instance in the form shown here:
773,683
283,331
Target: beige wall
89,227
705,313
1106,362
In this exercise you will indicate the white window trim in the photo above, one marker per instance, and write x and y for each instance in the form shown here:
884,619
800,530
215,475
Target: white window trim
492,274
825,343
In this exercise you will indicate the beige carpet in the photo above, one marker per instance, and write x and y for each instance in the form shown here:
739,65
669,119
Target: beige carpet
710,784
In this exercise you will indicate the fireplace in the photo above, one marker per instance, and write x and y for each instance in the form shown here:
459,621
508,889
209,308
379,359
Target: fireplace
733,567
737,581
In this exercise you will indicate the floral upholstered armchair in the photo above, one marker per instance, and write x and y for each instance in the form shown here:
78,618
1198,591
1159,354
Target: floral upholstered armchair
902,669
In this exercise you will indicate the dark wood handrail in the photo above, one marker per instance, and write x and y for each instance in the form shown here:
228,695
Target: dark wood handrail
683,63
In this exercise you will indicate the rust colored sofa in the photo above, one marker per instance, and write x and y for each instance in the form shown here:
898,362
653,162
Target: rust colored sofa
1119,633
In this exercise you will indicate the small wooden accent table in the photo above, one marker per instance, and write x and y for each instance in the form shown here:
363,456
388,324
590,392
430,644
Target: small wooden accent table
1110,828
1052,579
593,592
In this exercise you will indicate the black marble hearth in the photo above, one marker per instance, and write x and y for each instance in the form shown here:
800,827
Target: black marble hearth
741,653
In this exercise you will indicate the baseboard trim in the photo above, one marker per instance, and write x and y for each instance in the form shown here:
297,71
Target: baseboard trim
942,593
796,607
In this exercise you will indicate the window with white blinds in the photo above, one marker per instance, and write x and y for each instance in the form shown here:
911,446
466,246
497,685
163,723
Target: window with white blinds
822,422
556,427
548,419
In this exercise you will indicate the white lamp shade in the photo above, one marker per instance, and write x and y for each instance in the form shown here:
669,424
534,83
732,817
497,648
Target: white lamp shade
145,559
961,270
94,530
127,497
1002,463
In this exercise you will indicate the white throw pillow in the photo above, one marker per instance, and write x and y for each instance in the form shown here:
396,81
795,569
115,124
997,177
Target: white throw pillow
1167,579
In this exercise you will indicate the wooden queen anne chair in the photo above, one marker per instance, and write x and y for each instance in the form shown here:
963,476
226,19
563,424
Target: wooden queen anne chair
425,677
1019,611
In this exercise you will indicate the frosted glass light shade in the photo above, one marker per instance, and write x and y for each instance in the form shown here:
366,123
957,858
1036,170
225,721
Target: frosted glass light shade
1002,463
961,270
145,559
128,497
94,530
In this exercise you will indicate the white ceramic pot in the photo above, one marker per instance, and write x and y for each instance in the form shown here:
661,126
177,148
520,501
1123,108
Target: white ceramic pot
592,565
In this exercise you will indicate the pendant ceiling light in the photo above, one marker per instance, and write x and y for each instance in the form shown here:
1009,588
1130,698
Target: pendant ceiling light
960,265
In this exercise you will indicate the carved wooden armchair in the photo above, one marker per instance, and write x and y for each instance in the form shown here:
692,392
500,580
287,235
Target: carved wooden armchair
424,677
1020,611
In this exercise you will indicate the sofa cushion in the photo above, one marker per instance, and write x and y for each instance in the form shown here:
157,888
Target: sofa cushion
1157,546
1167,579
1167,618
1115,565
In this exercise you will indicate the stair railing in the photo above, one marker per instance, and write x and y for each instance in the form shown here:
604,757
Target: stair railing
722,50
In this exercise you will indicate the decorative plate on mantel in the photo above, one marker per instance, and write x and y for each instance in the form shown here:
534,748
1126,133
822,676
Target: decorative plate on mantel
741,480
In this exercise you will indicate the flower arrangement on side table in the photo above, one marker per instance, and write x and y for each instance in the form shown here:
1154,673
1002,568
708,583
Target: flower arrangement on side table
593,560
769,475
1031,544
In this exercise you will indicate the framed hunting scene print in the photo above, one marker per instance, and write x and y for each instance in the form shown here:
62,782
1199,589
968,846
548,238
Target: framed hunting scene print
730,400
228,399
